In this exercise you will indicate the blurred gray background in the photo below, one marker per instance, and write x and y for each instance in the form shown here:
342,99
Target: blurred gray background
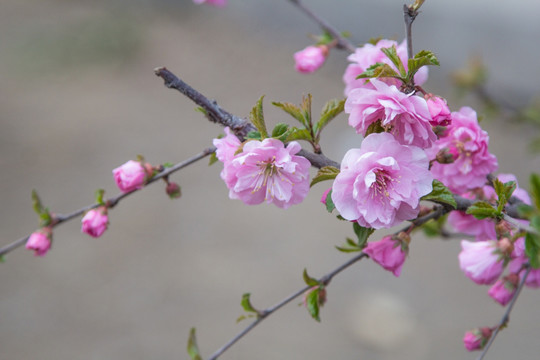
78,97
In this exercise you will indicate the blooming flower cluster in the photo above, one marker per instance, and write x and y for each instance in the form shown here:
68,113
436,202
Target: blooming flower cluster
263,171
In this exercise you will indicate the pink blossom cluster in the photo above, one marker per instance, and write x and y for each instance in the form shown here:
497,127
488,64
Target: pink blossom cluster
263,171
370,54
467,143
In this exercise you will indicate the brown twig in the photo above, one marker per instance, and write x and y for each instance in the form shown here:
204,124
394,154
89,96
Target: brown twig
60,218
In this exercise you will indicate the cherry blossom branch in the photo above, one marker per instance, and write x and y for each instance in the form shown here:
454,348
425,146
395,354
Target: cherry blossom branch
60,218
215,113
506,317
409,14
342,43
263,314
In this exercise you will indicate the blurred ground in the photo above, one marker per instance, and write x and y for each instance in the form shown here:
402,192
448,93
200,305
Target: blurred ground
78,97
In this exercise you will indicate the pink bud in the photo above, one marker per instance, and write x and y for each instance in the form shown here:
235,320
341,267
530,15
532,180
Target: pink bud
440,113
476,339
95,222
40,241
325,195
310,59
388,253
130,176
504,289
173,190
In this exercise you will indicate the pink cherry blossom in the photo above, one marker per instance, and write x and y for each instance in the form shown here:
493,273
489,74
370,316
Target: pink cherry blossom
481,261
40,241
370,54
519,258
130,176
388,253
217,3
310,59
483,229
95,222
476,339
226,146
380,184
504,289
468,144
440,113
405,116
267,171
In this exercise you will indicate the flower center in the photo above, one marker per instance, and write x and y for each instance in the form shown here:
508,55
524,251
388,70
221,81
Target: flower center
380,186
266,175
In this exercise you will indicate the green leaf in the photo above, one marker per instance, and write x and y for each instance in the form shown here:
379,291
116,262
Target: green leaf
281,131
298,134
525,211
392,54
349,249
330,206
378,70
532,249
440,194
192,348
325,173
309,280
253,135
36,203
201,110
257,118
535,190
306,110
99,196
504,192
246,303
292,110
482,210
213,159
2,258
362,234
431,228
374,128
168,165
423,58
332,109
312,303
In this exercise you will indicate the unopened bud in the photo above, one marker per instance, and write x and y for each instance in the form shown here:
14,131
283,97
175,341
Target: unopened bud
404,237
444,157
476,339
506,246
502,228
173,190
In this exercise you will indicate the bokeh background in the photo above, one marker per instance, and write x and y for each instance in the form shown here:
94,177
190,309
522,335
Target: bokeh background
78,97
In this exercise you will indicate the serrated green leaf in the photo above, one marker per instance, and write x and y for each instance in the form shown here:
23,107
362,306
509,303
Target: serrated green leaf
422,58
246,303
392,54
535,190
306,110
253,135
374,128
482,210
362,234
330,206
280,130
440,194
257,118
504,192
192,348
99,196
213,159
309,280
292,110
298,134
325,173
378,70
312,304
332,109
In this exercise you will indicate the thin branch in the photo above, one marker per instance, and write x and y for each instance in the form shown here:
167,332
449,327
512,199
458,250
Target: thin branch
60,218
342,43
506,316
267,312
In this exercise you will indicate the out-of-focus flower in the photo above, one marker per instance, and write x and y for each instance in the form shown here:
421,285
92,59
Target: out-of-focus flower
405,116
481,261
380,184
468,144
130,176
387,252
504,289
173,190
370,54
476,339
95,222
519,258
267,171
40,241
310,59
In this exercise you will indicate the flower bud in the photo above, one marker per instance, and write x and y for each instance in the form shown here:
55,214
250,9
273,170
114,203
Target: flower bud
173,190
40,241
388,253
503,228
95,222
506,246
440,113
476,339
130,176
504,289
444,157
310,59
325,195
